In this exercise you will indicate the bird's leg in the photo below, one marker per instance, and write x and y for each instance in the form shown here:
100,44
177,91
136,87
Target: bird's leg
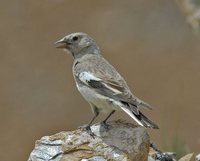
96,113
104,121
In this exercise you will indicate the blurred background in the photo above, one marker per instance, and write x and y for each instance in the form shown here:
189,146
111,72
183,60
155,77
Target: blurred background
149,42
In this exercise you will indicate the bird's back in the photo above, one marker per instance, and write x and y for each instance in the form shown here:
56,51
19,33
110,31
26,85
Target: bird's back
100,67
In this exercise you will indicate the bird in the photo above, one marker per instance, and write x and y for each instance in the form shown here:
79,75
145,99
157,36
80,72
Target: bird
99,82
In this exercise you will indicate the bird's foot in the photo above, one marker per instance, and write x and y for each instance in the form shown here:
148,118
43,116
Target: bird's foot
105,125
89,131
87,128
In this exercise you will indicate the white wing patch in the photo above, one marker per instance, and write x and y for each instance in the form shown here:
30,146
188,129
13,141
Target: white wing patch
86,77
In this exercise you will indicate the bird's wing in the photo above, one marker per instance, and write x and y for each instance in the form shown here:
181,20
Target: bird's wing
104,78
110,88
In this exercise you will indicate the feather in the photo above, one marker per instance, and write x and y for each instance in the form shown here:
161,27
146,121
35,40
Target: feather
110,89
132,115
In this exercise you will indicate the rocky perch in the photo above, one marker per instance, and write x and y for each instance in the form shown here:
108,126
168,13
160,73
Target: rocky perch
122,141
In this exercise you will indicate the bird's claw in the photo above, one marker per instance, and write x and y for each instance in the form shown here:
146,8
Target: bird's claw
87,128
89,131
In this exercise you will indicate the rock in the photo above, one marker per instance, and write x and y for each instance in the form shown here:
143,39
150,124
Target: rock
161,156
197,157
188,157
121,142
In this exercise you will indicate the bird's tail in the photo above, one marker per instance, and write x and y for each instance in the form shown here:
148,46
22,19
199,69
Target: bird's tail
141,119
146,122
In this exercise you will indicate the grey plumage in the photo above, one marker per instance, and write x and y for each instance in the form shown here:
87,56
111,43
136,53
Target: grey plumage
99,82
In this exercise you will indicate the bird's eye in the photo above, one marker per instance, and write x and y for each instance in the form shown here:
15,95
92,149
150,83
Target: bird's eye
75,38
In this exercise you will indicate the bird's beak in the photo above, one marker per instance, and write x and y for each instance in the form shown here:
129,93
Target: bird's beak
62,43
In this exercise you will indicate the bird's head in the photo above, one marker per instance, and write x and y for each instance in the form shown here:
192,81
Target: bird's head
78,44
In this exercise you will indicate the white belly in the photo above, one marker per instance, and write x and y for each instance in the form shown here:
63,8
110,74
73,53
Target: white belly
103,103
